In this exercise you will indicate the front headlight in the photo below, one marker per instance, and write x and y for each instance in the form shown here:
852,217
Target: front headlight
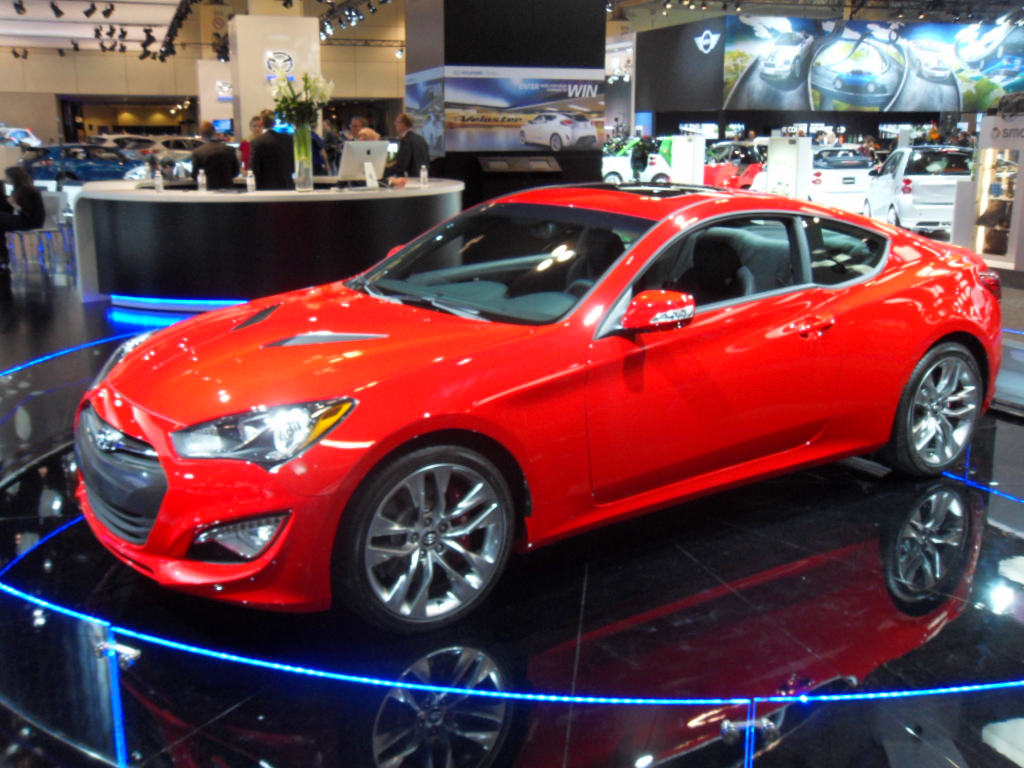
119,354
264,436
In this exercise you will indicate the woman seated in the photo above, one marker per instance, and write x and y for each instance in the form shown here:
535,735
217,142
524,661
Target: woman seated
22,210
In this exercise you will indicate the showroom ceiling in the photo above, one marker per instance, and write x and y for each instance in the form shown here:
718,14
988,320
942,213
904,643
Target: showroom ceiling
60,24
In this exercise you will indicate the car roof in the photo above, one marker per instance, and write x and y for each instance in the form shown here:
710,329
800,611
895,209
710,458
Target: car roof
649,201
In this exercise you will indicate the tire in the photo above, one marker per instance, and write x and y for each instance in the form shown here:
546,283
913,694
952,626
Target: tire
424,539
556,142
661,178
892,217
797,63
867,209
937,413
522,137
612,178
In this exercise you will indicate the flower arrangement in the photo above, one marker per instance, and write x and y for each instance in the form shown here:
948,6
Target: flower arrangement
302,107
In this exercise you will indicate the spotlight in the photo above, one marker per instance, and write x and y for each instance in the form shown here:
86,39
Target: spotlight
74,45
108,11
97,32
15,54
24,53
704,6
287,3
56,11
725,7
19,7
122,34
111,31
920,15
359,15
608,7
88,12
371,7
60,52
121,48
400,53
668,5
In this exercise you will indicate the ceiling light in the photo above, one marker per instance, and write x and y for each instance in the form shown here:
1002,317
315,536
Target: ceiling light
608,7
704,6
108,11
400,53
371,7
920,15
56,11
19,7
88,12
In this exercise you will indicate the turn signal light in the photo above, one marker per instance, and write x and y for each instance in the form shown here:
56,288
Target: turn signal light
990,279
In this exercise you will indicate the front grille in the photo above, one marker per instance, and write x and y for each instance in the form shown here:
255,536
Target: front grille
124,481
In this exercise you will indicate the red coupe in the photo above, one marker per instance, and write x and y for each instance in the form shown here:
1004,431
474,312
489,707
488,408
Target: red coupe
539,365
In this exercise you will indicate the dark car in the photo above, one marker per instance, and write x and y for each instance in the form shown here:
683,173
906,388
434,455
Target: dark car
70,162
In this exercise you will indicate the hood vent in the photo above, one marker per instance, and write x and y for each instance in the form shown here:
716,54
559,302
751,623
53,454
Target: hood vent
324,337
259,317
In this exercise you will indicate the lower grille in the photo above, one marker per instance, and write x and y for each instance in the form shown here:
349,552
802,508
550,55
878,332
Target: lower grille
124,482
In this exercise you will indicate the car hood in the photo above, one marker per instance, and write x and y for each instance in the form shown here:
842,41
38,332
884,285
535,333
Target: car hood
309,345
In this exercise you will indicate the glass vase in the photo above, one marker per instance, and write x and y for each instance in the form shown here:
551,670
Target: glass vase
303,159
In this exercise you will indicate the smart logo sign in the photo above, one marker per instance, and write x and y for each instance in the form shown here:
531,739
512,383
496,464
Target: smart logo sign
1007,133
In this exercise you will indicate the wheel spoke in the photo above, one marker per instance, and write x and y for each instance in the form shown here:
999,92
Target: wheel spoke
480,563
481,520
924,431
462,584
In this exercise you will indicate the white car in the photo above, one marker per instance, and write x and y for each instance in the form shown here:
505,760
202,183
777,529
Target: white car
930,66
787,57
916,186
615,170
174,147
559,129
840,177
18,137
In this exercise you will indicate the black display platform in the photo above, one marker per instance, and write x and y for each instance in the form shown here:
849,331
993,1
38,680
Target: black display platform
850,617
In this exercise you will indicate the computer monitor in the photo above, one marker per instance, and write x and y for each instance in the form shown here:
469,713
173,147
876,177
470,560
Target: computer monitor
225,126
355,153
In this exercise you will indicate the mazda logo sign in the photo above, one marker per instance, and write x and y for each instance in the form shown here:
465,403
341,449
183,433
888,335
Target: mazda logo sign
279,60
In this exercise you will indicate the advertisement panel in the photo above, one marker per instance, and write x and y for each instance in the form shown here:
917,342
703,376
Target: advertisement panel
424,101
680,67
780,63
522,108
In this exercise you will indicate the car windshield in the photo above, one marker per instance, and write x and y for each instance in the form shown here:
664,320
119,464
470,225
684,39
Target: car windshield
931,162
137,144
34,154
104,153
524,264
789,38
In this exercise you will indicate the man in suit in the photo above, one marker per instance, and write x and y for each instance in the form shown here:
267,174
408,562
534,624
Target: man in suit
271,156
412,150
216,158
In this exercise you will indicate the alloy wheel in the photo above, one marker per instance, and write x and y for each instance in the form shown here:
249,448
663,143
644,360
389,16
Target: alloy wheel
944,410
929,545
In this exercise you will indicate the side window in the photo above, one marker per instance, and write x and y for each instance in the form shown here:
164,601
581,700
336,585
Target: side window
727,261
841,253
889,169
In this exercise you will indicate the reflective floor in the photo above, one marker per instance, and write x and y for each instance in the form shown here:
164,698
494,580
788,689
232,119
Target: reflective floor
833,617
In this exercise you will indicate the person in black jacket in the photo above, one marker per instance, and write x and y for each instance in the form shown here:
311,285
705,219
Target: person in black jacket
216,158
22,210
271,155
413,151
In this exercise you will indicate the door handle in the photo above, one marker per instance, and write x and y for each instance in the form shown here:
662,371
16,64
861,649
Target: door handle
810,327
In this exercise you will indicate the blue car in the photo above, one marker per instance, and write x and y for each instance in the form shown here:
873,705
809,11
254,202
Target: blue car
76,162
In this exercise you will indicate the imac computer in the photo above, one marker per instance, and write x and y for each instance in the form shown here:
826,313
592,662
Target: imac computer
355,153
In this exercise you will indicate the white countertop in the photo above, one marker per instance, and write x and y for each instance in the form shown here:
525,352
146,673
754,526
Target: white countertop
128,191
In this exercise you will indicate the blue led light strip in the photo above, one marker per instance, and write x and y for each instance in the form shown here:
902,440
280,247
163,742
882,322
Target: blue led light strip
200,305
1011,330
116,706
38,544
981,487
68,351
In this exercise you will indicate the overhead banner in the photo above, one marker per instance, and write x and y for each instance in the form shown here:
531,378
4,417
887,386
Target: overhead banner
784,64
679,68
523,109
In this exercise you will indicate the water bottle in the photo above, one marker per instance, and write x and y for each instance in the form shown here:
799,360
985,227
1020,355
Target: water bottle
158,181
250,182
202,180
424,176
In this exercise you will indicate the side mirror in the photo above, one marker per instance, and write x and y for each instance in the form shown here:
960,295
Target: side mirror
875,172
658,311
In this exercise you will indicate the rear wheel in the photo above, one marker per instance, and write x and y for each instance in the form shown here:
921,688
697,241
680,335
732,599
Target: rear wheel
867,209
937,412
661,178
522,137
612,178
425,539
556,142
892,217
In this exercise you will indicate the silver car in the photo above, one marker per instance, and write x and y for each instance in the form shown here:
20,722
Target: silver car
916,186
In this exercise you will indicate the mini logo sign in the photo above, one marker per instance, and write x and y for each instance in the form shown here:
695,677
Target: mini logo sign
707,41
279,60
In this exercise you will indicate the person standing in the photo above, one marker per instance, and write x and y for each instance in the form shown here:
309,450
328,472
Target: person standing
217,159
272,157
413,151
255,129
332,146
24,208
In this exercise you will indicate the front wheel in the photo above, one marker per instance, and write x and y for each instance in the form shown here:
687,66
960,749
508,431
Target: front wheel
661,178
424,540
612,178
522,137
937,412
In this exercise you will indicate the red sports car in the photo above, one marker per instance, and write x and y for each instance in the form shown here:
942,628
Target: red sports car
541,364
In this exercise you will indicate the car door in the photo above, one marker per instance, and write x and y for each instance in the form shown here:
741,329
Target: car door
749,377
882,189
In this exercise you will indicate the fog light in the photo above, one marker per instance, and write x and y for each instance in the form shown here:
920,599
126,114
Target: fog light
246,539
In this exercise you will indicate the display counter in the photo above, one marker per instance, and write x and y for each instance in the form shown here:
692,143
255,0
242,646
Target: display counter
176,248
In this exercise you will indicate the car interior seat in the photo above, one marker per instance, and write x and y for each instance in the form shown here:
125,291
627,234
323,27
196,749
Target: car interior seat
717,273
596,251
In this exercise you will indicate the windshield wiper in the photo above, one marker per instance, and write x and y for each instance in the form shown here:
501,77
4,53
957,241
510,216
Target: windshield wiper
401,297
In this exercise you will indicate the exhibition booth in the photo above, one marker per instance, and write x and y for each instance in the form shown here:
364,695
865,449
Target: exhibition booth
842,614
